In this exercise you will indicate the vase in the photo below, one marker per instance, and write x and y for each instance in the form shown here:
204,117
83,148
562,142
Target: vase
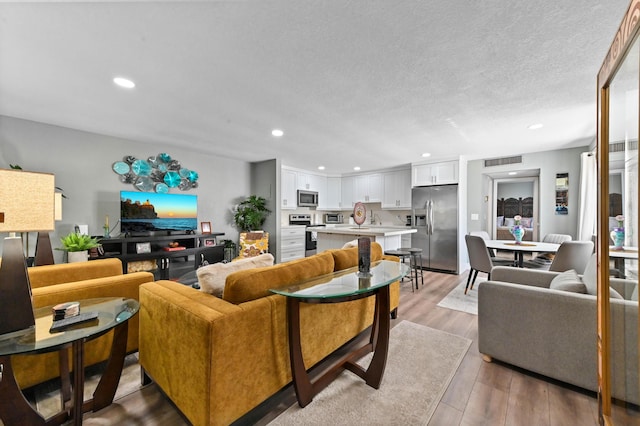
77,256
617,235
518,233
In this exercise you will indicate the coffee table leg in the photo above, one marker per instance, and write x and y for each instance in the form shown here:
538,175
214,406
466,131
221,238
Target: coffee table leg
78,380
14,408
108,384
301,381
382,323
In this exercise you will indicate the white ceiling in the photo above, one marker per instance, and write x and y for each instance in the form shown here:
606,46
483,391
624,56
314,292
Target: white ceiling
372,83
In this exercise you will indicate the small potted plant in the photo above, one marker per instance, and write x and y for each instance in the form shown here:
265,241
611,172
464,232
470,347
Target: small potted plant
78,246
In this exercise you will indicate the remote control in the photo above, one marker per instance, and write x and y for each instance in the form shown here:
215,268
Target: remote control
60,325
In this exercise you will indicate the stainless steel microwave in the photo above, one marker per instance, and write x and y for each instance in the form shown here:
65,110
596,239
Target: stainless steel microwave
307,198
333,218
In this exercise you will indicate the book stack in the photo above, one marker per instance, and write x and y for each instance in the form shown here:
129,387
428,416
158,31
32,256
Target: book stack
66,310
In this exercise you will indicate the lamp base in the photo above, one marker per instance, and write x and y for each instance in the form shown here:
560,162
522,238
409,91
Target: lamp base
15,291
44,254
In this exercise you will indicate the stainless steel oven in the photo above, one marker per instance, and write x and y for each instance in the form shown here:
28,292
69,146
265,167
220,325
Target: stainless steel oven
311,242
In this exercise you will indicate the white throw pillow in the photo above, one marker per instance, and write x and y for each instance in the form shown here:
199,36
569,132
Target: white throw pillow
213,277
589,277
568,281
509,221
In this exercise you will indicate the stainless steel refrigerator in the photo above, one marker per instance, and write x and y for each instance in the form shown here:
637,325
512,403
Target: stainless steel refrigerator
434,214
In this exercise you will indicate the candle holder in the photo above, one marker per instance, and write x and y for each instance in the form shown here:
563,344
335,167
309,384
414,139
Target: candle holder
106,231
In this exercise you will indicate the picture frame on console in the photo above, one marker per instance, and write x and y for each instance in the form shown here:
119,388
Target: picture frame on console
205,227
210,242
143,248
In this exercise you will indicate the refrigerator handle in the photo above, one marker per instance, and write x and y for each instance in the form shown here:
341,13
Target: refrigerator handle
426,217
431,224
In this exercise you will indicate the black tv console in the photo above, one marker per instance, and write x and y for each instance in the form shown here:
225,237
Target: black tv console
153,253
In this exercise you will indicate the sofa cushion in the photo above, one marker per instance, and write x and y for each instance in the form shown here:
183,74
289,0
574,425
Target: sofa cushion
212,277
250,284
589,277
348,258
568,281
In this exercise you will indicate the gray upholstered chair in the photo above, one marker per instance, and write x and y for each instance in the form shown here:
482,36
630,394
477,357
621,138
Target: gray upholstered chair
545,259
571,255
479,259
497,261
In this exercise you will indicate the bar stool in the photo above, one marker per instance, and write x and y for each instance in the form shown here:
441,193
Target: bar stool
402,254
416,255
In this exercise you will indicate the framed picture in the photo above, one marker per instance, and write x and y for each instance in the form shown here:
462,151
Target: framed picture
205,227
209,242
143,248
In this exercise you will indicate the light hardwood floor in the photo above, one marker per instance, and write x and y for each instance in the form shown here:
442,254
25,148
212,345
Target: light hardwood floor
480,393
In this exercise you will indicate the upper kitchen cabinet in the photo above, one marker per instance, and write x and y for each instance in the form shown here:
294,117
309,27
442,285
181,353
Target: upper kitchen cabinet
288,199
311,182
397,189
435,173
348,191
368,188
333,198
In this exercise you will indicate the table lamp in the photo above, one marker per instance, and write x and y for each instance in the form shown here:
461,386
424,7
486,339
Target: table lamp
26,205
44,252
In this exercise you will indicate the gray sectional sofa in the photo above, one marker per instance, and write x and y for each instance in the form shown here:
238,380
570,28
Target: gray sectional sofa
524,322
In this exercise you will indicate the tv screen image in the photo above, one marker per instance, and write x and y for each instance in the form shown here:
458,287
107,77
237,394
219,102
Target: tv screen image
148,211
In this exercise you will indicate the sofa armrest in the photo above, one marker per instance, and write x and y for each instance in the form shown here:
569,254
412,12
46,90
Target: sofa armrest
550,332
522,276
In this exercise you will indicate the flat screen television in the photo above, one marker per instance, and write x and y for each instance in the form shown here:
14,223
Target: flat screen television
144,212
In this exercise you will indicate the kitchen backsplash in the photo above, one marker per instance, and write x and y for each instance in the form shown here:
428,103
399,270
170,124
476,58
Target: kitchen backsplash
382,217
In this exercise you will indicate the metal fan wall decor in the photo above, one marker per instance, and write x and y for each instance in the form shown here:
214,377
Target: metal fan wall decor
157,173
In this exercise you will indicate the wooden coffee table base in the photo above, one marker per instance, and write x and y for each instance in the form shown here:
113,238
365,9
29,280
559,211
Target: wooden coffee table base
378,342
16,410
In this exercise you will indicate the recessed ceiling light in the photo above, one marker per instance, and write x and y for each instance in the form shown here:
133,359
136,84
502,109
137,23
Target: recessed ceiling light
320,167
124,82
356,168
277,133
513,173
535,126
426,154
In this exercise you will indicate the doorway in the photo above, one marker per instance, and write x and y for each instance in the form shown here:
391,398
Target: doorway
513,196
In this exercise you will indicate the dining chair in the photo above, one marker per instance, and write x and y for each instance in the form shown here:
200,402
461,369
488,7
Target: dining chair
545,259
570,255
479,259
497,261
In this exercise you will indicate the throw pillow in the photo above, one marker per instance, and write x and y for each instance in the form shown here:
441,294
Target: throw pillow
213,277
568,281
589,277
634,295
509,221
613,294
527,222
500,221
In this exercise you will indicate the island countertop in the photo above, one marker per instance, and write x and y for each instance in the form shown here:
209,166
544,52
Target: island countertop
368,230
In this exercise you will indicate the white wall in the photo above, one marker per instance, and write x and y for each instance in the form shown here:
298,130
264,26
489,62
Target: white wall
549,163
82,162
515,190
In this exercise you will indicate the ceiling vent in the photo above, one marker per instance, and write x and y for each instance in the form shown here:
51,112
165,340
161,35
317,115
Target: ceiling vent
503,161
619,146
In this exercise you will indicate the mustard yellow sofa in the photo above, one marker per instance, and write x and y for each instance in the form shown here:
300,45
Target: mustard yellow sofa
53,284
218,358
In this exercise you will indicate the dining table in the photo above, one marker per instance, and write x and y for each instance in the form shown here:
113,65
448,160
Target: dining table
519,249
619,256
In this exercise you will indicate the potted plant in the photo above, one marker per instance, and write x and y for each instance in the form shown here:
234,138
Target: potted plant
251,213
78,246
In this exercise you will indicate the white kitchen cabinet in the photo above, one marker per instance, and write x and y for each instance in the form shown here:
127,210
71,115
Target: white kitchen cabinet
348,191
288,199
435,173
368,188
311,182
292,242
397,189
333,198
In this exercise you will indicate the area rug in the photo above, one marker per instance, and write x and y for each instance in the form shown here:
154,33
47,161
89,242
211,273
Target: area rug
457,300
420,365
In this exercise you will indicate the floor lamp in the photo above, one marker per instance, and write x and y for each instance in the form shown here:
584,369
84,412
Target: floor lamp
26,205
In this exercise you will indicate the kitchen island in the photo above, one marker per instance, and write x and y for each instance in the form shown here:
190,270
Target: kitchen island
389,237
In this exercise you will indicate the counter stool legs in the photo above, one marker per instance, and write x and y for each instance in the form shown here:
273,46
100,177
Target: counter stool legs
415,253
403,254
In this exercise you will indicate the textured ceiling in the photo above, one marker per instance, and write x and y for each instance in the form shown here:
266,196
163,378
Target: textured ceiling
372,83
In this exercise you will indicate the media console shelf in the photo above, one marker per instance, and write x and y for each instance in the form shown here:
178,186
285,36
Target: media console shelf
154,254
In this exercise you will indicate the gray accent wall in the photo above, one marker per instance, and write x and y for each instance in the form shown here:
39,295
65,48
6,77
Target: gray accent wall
549,163
82,162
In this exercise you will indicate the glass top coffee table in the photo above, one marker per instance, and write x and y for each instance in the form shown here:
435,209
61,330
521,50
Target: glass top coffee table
343,286
113,313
